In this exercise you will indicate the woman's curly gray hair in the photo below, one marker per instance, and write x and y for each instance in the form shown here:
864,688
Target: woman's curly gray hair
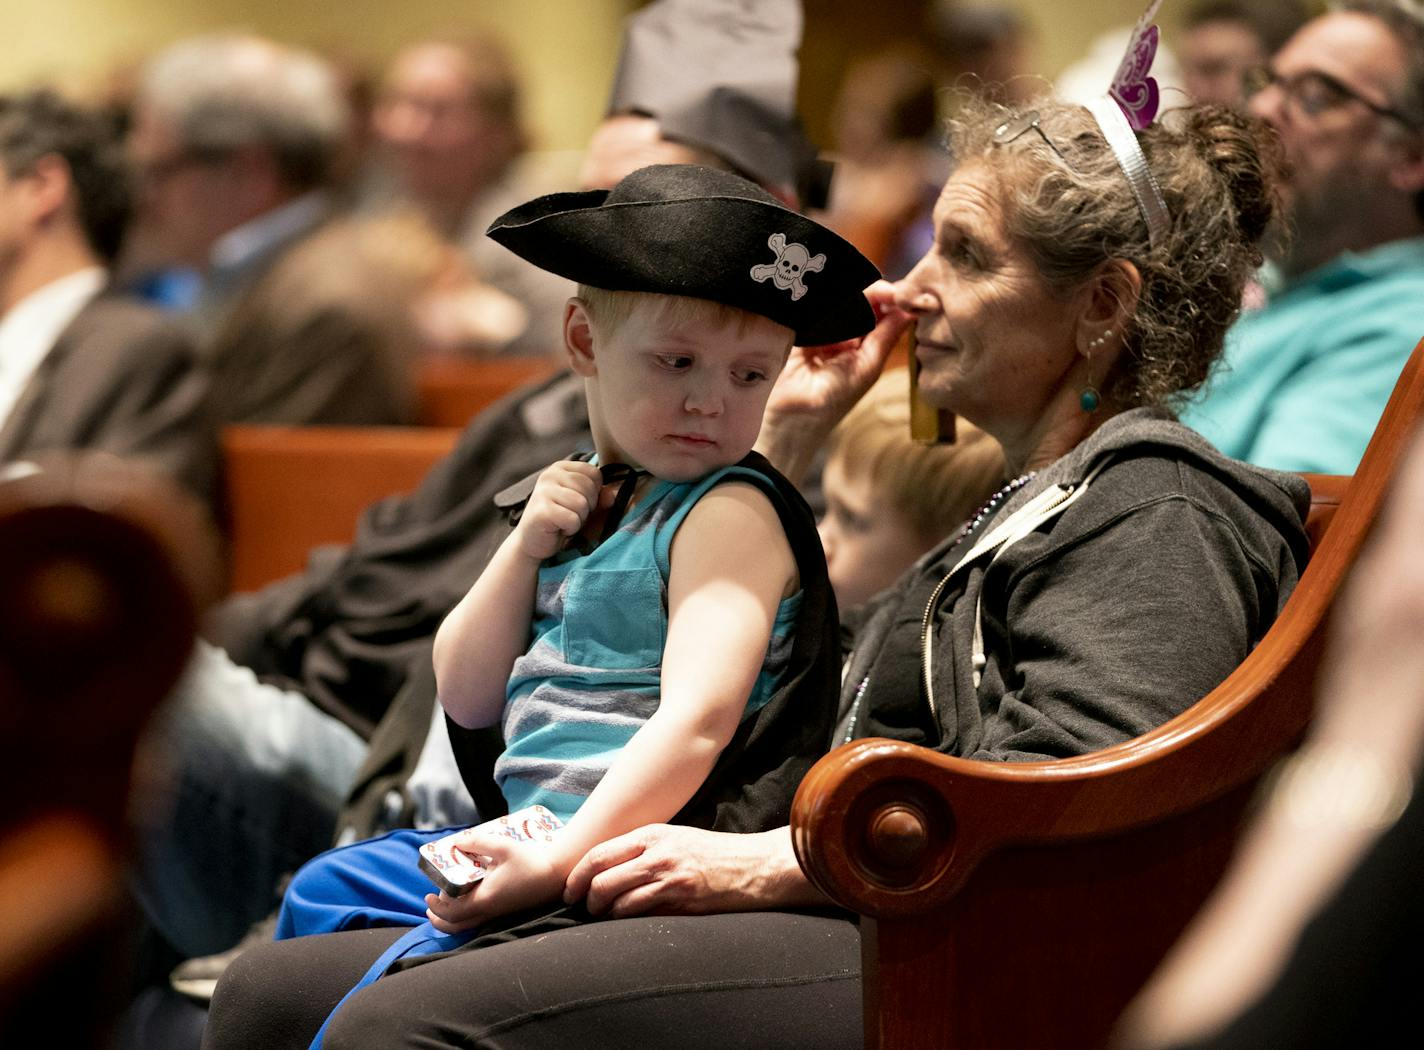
1069,205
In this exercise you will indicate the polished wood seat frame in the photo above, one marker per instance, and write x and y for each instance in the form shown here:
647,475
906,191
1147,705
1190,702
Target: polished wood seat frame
452,391
1023,904
104,571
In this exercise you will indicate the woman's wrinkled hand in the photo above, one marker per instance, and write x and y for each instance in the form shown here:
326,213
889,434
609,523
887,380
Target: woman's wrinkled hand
825,381
820,384
673,870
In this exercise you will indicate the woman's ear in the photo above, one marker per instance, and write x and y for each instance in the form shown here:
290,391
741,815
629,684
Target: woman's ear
1109,301
578,337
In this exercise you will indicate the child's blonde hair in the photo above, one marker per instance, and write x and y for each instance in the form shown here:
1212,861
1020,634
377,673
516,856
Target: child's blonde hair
611,310
933,487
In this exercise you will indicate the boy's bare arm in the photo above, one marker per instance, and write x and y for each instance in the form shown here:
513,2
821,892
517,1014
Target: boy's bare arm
477,644
731,566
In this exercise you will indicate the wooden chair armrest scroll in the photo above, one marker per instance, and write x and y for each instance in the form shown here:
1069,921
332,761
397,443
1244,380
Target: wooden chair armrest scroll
1023,904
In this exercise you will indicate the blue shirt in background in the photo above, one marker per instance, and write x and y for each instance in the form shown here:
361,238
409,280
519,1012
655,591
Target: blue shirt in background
1303,380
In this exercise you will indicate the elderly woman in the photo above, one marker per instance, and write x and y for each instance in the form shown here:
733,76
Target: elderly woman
1070,296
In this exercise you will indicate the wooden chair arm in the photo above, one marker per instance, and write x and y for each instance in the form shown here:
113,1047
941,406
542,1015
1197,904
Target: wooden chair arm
105,567
104,571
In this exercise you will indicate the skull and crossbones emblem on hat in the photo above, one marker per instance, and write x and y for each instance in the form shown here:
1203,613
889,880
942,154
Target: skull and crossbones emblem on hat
792,263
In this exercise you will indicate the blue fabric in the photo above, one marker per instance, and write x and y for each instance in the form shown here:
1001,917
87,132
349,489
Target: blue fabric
1304,379
377,882
422,940
176,288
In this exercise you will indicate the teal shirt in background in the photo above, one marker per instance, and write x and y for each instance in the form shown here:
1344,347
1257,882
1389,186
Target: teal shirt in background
1304,379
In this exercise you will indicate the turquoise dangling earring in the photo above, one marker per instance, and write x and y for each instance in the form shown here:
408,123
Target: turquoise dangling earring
1090,399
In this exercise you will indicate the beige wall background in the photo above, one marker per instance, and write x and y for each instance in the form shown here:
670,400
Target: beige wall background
567,48
1065,29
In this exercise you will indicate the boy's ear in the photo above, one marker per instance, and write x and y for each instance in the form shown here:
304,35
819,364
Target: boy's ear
578,337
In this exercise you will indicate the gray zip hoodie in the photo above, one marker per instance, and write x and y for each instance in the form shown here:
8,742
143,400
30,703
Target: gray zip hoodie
1106,621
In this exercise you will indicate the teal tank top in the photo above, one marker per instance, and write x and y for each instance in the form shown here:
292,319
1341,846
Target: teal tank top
591,675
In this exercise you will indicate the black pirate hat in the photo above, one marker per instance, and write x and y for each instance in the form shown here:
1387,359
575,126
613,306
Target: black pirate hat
680,229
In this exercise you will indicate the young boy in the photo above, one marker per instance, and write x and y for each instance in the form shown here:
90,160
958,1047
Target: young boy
890,498
661,675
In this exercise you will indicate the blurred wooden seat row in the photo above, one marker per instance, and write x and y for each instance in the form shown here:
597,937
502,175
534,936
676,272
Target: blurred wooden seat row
290,489
450,391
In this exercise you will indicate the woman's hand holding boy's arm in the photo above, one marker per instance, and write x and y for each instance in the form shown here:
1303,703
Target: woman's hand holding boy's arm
664,869
820,384
661,869
477,644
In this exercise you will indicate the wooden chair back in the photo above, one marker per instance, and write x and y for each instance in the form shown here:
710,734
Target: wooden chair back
291,489
103,572
450,391
1016,905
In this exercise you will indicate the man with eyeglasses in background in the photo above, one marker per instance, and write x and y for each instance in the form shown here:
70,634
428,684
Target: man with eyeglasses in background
1307,373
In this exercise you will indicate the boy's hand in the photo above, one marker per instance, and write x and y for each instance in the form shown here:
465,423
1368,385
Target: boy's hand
563,497
521,875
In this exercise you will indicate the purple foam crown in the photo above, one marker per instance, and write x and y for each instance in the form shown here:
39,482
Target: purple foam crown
1134,89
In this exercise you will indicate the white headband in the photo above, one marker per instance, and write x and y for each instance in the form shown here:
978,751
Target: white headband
1133,162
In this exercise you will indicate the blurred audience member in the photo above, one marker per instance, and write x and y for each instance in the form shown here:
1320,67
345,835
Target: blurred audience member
449,133
890,153
706,81
890,158
1309,941
1224,40
235,140
986,47
81,368
1305,377
889,498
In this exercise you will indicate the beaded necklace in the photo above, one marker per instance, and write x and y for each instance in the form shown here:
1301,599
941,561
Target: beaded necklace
991,505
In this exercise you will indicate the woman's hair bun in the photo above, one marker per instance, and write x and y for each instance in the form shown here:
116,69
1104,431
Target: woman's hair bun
1247,156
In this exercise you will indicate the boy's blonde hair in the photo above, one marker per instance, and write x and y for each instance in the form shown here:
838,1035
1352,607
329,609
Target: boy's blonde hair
611,310
934,487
